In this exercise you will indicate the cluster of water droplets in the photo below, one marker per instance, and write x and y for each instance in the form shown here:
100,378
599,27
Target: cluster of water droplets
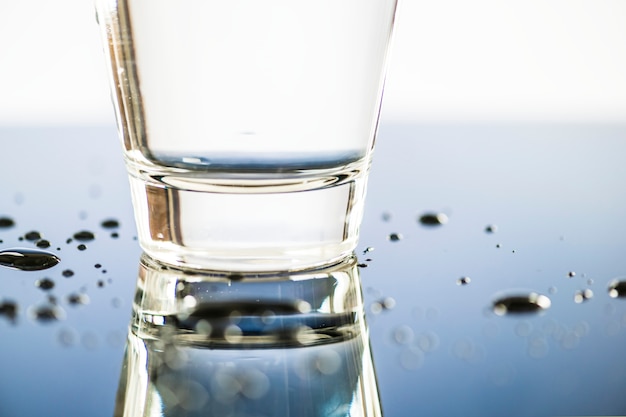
41,258
510,303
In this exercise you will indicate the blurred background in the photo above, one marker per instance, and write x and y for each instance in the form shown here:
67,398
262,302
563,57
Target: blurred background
453,61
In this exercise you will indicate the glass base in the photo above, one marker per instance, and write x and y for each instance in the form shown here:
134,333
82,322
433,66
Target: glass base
256,224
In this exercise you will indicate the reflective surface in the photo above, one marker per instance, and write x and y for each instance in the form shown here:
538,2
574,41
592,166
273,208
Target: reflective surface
532,213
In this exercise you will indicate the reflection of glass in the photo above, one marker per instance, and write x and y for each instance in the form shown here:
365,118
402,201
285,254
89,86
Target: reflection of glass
211,344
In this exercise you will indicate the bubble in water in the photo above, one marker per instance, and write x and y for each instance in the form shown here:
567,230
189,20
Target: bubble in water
617,288
81,247
6,222
115,235
491,228
362,265
498,246
386,216
84,236
583,295
28,259
45,283
110,224
433,219
521,304
8,309
463,281
368,249
67,273
571,274
394,237
97,266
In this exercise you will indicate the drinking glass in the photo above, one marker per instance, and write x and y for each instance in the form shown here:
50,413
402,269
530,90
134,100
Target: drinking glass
248,125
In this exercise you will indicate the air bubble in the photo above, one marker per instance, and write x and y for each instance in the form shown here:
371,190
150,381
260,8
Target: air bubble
492,228
571,274
67,273
81,247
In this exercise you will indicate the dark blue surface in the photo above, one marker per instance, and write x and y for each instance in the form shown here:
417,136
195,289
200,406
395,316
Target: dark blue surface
556,193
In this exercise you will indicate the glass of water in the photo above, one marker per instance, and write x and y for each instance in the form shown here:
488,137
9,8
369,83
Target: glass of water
248,125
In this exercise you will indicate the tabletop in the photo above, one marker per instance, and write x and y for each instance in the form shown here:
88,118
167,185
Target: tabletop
493,265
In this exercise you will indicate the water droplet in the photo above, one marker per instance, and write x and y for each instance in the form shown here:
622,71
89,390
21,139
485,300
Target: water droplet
433,219
427,342
81,247
47,312
571,274
521,303
388,303
403,334
110,224
6,222
463,281
67,337
411,358
42,243
45,284
492,228
32,236
78,299
583,295
394,237
9,310
28,259
617,288
67,273
84,236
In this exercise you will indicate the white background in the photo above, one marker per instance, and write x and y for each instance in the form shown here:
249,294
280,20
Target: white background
453,61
